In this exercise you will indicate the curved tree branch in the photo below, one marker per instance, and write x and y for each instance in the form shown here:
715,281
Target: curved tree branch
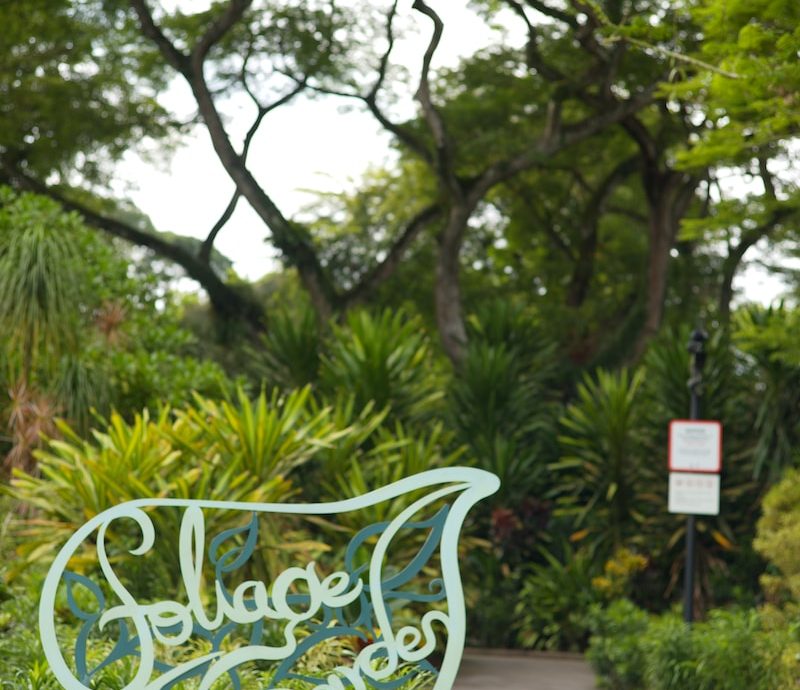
208,243
736,255
291,240
175,58
217,30
228,302
549,144
384,270
433,118
370,99
554,13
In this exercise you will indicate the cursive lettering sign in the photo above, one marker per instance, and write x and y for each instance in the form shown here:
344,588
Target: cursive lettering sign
309,607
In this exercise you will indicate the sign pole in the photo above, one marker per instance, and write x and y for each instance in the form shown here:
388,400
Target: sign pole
696,349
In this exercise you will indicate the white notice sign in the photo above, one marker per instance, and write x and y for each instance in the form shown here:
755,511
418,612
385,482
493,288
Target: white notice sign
691,493
695,446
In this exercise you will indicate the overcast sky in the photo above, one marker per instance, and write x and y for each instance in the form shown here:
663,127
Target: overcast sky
307,145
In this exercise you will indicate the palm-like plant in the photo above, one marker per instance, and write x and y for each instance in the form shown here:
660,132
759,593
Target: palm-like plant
289,352
768,337
605,475
501,400
40,277
215,451
384,359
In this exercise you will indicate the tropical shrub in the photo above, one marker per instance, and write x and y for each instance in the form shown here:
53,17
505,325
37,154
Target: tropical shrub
501,401
768,337
22,662
502,406
42,279
82,331
234,451
778,540
605,480
732,650
385,360
288,355
554,598
616,651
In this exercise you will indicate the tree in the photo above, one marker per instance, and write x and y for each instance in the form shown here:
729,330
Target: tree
589,72
750,114
305,43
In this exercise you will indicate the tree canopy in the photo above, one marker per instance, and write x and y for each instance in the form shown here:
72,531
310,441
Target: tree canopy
603,147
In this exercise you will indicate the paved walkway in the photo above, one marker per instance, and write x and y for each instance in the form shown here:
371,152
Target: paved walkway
490,670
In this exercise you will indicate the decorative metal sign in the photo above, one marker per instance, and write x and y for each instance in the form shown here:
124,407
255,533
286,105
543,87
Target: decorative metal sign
277,622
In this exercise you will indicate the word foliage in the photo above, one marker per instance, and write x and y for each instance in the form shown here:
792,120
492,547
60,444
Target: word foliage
396,619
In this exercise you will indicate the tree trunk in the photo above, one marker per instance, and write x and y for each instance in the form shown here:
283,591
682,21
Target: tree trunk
584,266
590,218
669,195
447,292
726,287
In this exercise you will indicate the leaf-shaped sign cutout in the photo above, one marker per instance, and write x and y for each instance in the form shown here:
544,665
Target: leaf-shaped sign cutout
239,555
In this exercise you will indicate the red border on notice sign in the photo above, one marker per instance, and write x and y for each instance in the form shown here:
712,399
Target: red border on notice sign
704,422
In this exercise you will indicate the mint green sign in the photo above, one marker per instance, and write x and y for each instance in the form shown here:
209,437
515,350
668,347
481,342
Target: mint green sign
310,606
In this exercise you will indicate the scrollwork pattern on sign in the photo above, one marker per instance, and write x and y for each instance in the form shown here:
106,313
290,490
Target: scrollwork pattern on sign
355,601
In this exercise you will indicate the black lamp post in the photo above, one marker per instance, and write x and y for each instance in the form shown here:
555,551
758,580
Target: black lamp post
697,351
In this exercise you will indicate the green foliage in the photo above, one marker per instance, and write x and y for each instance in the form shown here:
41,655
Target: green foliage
41,277
501,401
76,99
22,662
355,231
245,451
724,559
559,596
732,650
554,600
757,41
766,336
616,651
82,328
289,352
385,360
554,264
604,479
778,540
23,665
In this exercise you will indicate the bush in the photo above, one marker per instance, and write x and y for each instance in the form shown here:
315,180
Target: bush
557,597
22,662
554,600
616,650
386,360
778,540
732,650
235,451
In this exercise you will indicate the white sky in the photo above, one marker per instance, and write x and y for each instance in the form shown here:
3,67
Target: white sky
307,145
